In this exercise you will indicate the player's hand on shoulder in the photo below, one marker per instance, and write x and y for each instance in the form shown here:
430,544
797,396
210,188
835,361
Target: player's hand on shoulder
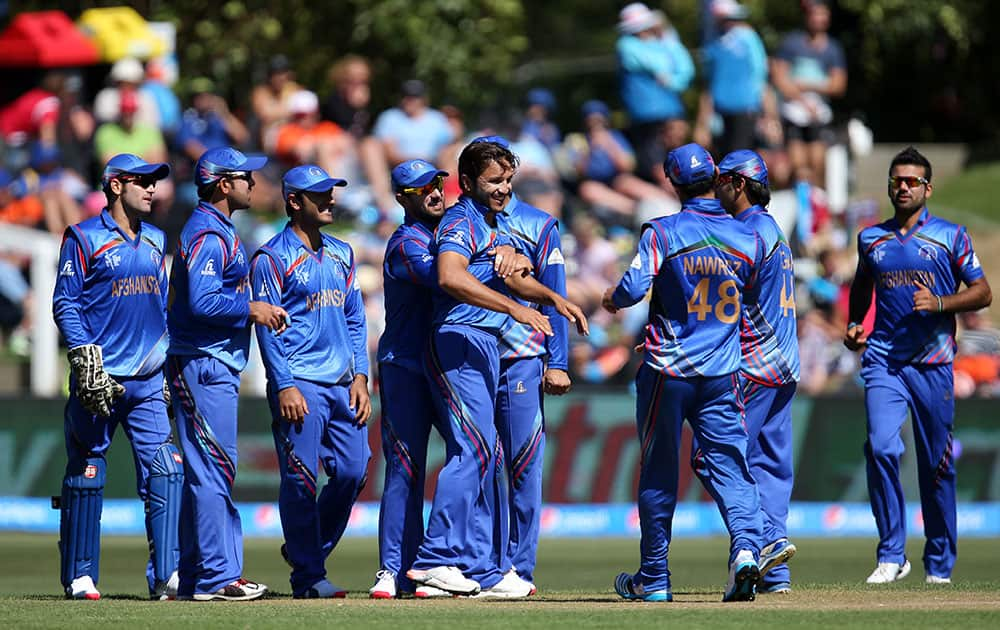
293,405
531,317
855,337
265,314
360,399
556,382
574,314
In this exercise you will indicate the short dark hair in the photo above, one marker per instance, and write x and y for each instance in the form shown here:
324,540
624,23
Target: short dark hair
205,191
757,193
477,156
696,189
911,156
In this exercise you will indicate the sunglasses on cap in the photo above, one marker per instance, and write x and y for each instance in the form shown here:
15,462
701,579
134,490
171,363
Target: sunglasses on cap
142,181
435,184
911,181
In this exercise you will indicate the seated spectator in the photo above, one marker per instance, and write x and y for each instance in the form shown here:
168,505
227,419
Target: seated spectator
977,363
75,127
17,206
270,101
537,180
127,135
59,189
127,75
208,123
541,105
413,130
606,168
305,139
31,116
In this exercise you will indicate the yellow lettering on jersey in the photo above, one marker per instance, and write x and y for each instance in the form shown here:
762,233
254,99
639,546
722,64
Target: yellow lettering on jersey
135,285
324,298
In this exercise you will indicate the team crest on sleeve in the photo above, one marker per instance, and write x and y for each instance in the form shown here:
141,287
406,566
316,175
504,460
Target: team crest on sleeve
112,260
262,292
878,254
426,258
67,269
636,262
975,261
209,269
302,275
555,258
457,237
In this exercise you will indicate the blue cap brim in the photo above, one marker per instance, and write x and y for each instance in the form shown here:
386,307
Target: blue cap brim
253,163
324,184
157,169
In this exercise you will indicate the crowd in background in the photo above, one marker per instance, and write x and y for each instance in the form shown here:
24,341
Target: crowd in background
602,178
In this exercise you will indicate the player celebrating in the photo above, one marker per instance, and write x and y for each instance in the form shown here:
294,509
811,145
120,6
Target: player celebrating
317,373
209,316
770,366
699,263
461,552
915,263
407,407
110,306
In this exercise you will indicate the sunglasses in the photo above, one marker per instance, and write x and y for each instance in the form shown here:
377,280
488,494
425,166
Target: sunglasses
142,181
435,184
911,182
725,178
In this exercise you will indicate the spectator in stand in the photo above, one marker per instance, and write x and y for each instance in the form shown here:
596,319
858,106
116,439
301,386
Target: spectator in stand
596,264
17,207
60,190
606,168
736,72
15,305
31,116
808,70
447,157
270,101
537,181
168,106
126,75
305,139
349,106
75,128
654,68
977,363
413,130
208,123
537,118
127,135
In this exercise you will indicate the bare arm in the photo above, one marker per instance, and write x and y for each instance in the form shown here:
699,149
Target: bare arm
781,80
528,288
860,301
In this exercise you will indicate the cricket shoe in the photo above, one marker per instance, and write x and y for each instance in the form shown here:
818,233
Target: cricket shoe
322,590
778,588
236,591
626,587
82,588
426,592
165,590
385,585
887,572
445,578
778,552
743,576
510,586
534,589
937,579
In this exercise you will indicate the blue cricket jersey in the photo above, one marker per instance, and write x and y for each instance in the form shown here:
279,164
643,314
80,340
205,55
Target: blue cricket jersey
208,310
936,253
464,229
326,340
702,265
112,291
409,280
536,233
769,339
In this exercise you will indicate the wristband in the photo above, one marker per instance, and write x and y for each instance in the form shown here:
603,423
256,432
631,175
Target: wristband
940,304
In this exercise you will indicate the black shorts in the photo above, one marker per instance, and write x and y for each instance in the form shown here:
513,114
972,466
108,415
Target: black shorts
812,133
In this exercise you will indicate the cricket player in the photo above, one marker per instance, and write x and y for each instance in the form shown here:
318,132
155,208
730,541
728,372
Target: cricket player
700,264
110,306
530,363
209,314
407,406
915,262
769,370
464,548
317,376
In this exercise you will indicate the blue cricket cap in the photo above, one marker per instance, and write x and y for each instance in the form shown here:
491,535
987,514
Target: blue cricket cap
216,163
309,178
415,173
504,142
747,163
689,164
128,164
595,107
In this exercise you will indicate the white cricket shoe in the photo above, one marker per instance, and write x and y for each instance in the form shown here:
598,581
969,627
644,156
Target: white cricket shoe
513,571
743,577
509,587
164,591
385,585
240,590
445,578
937,579
887,572
82,588
427,592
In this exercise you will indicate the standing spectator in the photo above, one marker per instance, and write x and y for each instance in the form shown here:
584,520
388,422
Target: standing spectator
538,122
654,68
75,128
127,76
736,71
168,106
915,264
809,69
270,101
413,130
317,375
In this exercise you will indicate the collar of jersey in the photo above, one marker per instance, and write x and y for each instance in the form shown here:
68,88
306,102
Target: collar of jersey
469,202
748,211
704,206
110,225
208,208
925,214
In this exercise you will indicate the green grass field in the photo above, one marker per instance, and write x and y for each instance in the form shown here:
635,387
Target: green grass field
574,579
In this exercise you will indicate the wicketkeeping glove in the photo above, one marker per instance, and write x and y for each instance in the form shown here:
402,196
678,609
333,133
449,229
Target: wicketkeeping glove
95,390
